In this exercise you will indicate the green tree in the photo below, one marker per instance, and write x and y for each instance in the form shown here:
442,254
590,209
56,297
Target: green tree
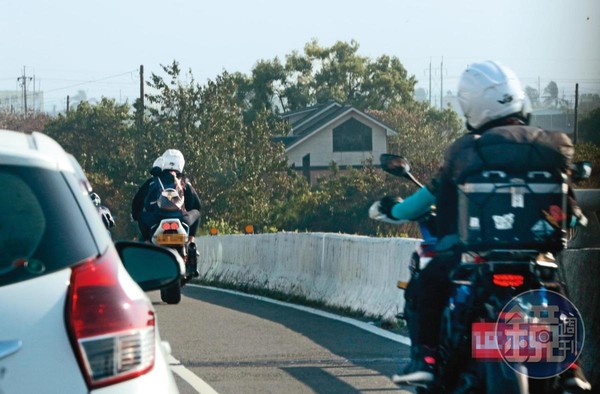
340,202
424,134
325,73
236,168
101,139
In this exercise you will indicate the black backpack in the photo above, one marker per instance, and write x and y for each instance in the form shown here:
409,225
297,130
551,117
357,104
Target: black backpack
165,192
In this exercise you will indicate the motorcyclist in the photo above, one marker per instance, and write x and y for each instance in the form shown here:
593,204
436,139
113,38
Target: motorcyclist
103,211
168,168
495,106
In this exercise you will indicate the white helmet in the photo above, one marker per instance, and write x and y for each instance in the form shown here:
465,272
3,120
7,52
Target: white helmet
173,160
158,162
488,91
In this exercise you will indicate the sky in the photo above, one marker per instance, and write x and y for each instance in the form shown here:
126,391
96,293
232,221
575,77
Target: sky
97,46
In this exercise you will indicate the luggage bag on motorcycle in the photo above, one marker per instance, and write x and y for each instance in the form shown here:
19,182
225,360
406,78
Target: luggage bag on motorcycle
512,211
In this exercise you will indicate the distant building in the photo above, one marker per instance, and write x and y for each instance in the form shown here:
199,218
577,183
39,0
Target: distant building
12,100
331,132
553,119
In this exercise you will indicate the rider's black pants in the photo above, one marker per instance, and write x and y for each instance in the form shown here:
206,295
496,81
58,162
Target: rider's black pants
430,298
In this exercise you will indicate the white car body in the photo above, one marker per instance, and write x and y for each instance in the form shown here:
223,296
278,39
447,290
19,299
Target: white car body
39,350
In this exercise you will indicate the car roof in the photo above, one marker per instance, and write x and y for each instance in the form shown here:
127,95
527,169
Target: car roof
33,150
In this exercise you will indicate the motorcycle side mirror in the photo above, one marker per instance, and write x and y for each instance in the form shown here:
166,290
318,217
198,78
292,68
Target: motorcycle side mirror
398,166
395,165
581,170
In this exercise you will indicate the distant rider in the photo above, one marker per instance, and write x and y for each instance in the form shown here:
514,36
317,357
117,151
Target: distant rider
168,169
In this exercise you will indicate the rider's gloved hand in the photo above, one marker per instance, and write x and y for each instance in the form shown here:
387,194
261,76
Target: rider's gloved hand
387,203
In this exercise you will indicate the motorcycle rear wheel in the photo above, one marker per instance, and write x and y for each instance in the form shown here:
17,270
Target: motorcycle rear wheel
171,294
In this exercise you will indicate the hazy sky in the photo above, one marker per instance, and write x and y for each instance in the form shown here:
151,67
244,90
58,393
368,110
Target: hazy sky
98,46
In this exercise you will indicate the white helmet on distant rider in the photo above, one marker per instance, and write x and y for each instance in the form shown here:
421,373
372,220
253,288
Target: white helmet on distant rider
489,91
173,160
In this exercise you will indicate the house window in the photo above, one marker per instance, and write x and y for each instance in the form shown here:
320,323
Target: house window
352,136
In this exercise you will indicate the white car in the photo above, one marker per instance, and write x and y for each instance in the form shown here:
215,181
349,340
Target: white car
74,317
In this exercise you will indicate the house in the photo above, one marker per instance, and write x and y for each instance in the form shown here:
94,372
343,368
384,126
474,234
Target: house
331,132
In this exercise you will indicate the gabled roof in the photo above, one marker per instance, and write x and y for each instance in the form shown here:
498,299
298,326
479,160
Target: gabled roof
309,121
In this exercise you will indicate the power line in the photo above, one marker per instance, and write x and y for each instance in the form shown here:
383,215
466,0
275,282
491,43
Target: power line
91,81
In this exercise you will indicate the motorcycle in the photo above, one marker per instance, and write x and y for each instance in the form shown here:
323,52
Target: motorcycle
172,232
496,268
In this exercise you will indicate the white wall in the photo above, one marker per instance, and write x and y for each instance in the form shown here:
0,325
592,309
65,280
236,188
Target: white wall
344,271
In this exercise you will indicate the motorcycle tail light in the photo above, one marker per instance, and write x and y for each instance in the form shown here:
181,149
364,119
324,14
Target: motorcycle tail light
508,280
112,332
170,226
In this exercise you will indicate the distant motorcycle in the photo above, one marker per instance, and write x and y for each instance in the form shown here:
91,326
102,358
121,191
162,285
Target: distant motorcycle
173,232
496,267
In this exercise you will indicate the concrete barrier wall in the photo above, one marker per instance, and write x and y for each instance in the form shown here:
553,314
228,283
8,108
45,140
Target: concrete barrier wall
343,271
360,273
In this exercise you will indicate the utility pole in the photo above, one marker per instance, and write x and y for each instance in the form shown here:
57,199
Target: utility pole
23,80
430,82
33,95
67,105
141,103
442,84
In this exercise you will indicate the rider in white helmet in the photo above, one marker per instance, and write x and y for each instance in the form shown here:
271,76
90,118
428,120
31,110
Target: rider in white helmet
168,168
496,108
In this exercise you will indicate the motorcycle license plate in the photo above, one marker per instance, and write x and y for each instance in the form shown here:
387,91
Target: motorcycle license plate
170,239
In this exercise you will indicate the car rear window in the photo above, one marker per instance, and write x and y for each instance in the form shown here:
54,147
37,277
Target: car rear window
42,228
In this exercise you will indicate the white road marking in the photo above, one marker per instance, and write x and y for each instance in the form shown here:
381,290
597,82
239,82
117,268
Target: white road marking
191,378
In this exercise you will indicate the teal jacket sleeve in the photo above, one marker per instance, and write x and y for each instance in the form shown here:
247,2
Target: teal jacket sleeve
414,206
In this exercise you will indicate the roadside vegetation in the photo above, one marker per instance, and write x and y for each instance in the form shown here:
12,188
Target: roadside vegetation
224,129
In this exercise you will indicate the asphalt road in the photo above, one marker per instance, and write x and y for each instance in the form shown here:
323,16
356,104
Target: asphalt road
229,344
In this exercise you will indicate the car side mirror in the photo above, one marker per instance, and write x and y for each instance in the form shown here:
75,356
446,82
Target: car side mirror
151,267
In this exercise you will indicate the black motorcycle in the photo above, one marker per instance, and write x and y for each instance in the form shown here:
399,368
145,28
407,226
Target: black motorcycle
509,224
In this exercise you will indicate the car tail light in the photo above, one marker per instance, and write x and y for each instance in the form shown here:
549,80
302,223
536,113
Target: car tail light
113,333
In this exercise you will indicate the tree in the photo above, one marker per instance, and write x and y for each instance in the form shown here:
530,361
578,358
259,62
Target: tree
424,134
329,73
20,122
100,137
239,172
551,94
